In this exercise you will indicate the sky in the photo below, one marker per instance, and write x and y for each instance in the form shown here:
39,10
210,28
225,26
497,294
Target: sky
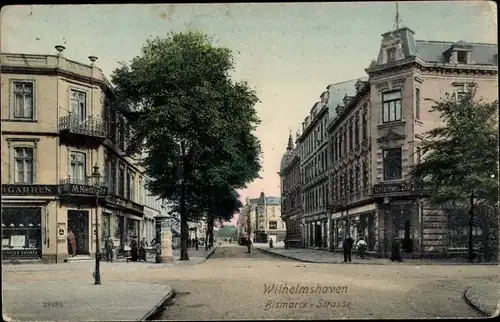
287,52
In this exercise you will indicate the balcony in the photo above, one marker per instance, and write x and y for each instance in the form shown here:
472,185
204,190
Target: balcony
85,189
91,131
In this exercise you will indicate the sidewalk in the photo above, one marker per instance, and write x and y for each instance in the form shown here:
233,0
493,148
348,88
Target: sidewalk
82,301
325,257
484,297
195,257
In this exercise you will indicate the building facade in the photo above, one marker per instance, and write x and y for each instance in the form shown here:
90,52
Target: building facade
63,164
291,198
264,219
349,168
374,127
314,176
406,74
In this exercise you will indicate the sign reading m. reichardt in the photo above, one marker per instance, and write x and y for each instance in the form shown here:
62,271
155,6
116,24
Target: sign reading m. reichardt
29,190
86,190
395,188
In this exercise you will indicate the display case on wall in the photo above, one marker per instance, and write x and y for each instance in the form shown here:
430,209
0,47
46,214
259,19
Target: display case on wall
21,232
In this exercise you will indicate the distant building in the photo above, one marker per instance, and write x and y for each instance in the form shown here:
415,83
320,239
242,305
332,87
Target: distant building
291,199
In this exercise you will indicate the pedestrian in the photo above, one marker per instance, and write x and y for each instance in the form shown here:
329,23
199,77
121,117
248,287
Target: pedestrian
249,245
196,243
347,248
133,249
110,244
396,251
142,249
72,242
361,245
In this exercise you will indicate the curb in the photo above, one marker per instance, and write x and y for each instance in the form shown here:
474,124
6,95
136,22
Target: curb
158,307
367,263
208,256
309,261
477,306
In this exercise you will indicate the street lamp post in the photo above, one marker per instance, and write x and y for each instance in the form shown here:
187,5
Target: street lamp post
96,176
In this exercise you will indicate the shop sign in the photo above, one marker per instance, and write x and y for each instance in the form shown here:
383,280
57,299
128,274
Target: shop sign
29,190
20,253
395,188
86,190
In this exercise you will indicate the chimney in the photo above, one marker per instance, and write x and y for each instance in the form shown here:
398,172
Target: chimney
60,49
92,59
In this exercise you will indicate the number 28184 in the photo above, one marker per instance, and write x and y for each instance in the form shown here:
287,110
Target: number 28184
52,304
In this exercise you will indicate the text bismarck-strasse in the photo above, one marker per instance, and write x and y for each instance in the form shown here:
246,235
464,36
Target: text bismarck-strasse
292,304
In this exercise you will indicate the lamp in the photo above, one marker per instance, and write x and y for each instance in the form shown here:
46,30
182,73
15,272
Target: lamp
96,177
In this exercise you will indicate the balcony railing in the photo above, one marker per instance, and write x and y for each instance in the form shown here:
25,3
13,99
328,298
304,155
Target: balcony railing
82,187
91,126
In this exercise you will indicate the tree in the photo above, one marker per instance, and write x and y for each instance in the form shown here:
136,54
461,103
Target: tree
460,158
189,119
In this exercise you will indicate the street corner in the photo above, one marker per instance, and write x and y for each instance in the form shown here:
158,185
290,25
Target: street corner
484,297
303,296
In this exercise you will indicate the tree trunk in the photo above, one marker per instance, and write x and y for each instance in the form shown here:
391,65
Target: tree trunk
210,231
183,213
206,240
471,224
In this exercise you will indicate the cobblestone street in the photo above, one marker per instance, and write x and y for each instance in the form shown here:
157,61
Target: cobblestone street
232,285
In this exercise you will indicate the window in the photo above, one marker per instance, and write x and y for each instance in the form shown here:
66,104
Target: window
78,170
23,160
78,104
351,181
121,131
365,175
121,182
23,100
130,186
417,103
365,129
356,179
391,54
112,177
392,164
345,141
391,106
462,57
356,130
350,135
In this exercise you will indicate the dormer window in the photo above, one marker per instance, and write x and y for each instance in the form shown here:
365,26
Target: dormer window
462,57
391,54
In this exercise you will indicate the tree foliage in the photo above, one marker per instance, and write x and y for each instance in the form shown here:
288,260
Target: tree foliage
193,125
461,156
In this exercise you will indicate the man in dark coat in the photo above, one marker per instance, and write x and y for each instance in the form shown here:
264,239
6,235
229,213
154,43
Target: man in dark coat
133,249
347,248
396,251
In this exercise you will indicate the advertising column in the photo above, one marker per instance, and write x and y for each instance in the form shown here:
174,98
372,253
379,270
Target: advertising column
164,248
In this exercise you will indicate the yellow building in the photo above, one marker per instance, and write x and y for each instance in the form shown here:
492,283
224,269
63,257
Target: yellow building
57,130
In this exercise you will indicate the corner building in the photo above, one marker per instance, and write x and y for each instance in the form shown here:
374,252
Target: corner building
406,73
58,129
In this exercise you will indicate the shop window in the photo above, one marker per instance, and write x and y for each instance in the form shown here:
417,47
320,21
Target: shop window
21,232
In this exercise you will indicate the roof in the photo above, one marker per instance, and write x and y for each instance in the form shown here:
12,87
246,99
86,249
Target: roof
283,162
433,51
337,93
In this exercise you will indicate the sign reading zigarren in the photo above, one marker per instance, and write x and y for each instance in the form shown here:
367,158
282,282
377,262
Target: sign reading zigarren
30,190
52,190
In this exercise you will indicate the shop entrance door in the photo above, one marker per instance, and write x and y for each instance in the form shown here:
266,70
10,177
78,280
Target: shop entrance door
318,235
78,222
